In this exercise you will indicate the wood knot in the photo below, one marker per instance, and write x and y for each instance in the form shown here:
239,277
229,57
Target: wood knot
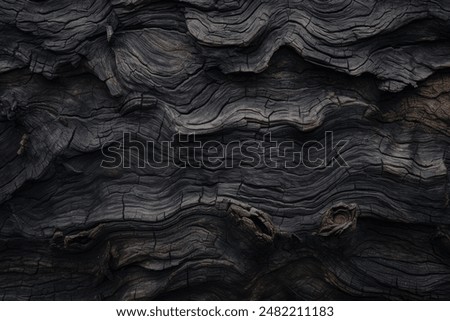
76,242
338,219
253,222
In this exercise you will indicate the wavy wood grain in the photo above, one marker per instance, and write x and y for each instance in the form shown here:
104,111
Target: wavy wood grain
77,75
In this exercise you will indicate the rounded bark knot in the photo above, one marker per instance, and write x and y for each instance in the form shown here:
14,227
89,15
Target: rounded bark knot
339,218
253,222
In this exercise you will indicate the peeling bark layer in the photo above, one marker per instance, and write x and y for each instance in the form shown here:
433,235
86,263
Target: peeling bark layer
76,75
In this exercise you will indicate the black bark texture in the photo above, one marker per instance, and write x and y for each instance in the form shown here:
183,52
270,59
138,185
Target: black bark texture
76,75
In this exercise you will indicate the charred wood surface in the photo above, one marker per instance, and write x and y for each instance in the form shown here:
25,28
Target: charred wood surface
76,75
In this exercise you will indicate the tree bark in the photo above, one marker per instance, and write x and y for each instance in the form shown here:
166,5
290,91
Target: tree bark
76,75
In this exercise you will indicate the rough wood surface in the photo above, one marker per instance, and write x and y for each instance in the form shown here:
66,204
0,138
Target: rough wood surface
75,75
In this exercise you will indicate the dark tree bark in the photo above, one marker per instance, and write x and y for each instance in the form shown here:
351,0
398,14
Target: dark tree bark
76,75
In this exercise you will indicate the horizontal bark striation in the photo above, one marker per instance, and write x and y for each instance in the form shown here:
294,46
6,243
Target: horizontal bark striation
77,75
